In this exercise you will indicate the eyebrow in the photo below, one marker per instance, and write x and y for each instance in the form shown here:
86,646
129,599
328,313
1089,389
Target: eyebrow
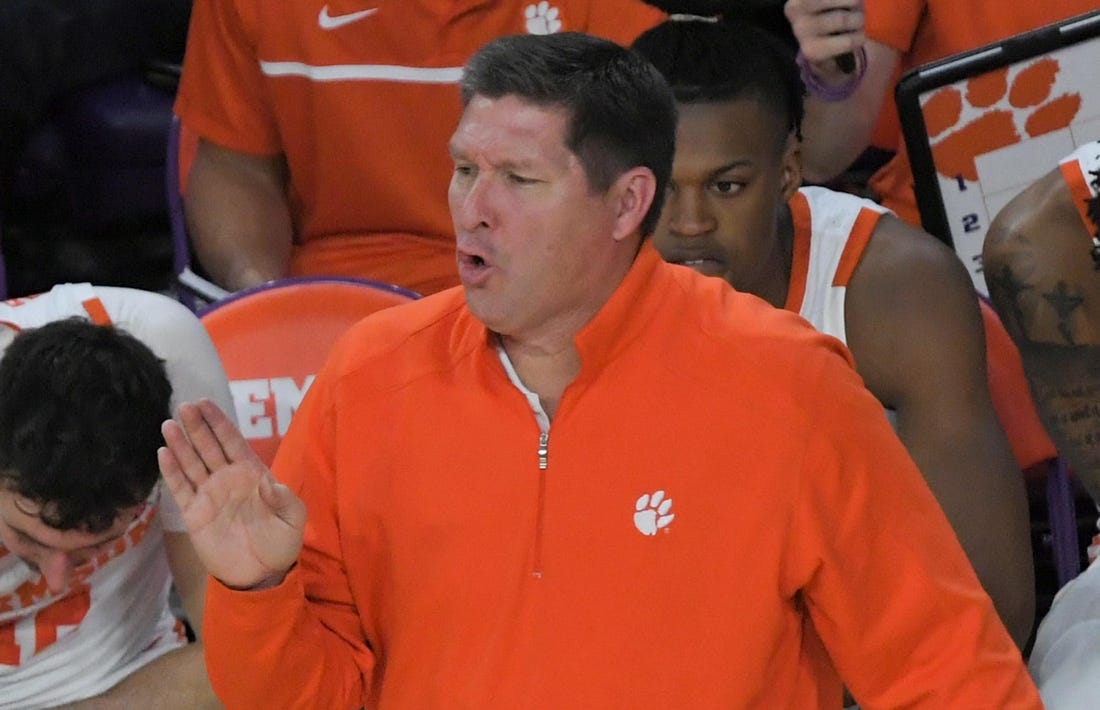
731,166
32,539
507,165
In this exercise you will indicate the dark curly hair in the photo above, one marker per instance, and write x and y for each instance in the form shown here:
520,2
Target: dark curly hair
729,58
80,412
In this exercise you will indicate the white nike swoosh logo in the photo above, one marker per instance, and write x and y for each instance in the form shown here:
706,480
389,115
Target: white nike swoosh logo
330,22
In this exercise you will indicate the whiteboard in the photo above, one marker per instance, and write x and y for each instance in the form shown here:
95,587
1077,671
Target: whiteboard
983,125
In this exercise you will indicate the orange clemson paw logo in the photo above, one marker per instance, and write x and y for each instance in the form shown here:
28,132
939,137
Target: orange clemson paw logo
1000,104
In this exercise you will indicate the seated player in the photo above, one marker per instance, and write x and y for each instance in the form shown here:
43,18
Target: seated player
1042,264
90,544
901,300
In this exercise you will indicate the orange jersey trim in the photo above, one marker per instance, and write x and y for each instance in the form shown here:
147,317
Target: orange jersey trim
800,248
862,230
96,311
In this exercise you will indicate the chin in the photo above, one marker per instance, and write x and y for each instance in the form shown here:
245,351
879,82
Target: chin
484,307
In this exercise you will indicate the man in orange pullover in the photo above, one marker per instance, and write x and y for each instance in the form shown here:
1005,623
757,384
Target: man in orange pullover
588,478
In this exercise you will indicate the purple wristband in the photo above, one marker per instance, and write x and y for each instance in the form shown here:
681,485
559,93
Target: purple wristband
827,93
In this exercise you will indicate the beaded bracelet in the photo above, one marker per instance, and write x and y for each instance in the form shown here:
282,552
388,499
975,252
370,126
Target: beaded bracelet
827,93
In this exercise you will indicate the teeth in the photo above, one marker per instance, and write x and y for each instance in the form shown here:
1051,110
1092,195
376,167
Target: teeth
693,262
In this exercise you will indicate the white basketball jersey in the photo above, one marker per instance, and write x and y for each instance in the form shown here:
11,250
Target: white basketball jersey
115,616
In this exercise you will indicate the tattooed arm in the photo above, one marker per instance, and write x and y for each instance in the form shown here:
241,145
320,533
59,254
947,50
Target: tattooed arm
1046,288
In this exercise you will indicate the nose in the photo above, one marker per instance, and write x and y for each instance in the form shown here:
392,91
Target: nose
56,569
469,204
689,216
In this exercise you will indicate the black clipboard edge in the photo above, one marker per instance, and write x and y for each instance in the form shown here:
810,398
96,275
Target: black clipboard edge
957,67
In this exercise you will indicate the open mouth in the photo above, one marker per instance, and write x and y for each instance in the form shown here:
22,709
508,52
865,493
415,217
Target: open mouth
704,265
471,260
472,268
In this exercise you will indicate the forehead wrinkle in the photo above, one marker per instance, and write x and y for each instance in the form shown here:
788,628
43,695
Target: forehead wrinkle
511,121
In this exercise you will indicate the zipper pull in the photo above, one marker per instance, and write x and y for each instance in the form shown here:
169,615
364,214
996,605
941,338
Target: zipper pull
544,450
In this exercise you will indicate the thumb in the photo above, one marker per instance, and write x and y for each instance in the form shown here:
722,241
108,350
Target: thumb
282,502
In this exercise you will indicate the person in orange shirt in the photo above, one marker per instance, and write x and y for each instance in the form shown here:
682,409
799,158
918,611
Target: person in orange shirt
897,297
587,477
847,112
324,129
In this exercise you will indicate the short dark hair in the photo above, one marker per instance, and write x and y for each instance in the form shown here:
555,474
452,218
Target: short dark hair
725,58
80,412
621,112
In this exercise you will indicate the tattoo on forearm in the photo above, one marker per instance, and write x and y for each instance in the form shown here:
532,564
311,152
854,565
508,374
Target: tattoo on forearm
1065,382
1005,289
1024,307
1064,304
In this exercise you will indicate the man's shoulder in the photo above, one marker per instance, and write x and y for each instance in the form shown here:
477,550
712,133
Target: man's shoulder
912,309
419,332
753,332
903,257
741,354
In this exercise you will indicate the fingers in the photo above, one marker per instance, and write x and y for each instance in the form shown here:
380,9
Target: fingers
181,487
839,22
828,48
231,442
203,440
180,464
819,24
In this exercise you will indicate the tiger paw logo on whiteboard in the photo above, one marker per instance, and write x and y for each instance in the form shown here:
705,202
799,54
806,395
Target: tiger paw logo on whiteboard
1008,112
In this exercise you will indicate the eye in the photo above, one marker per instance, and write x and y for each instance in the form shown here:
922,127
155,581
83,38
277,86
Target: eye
29,541
463,170
520,179
726,187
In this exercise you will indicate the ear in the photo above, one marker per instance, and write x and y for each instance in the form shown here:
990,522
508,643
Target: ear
632,194
792,166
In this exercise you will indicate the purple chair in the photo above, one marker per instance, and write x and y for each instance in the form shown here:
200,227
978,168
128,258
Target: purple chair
191,289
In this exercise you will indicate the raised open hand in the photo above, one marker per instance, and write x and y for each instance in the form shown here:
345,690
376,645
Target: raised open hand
246,527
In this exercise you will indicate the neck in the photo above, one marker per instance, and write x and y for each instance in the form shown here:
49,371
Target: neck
786,244
547,361
778,283
545,369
